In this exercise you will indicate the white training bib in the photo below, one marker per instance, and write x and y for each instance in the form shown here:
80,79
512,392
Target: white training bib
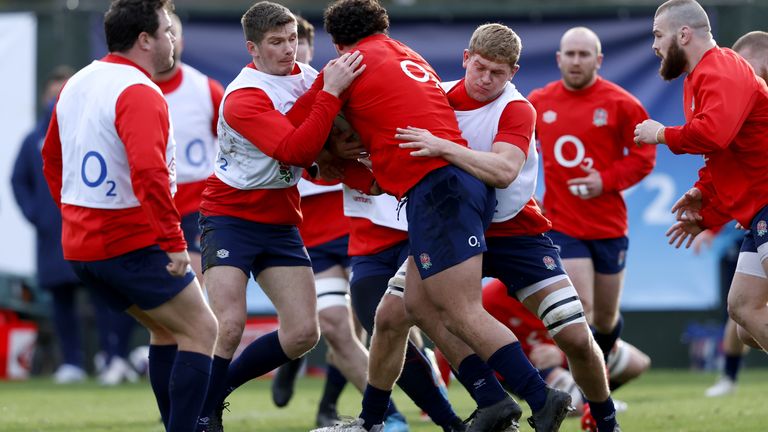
191,109
479,127
241,164
95,165
382,210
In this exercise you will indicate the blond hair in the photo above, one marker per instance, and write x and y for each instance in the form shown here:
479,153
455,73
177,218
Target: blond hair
496,42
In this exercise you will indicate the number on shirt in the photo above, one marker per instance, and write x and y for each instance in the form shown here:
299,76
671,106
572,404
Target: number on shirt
224,164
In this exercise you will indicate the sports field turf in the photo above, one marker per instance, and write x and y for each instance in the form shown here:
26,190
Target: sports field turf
660,401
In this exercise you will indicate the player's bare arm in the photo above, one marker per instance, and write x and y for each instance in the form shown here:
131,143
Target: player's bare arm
497,168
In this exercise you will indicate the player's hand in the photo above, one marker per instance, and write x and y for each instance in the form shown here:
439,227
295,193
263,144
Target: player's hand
688,207
544,356
179,265
647,132
683,232
587,187
339,73
426,144
703,241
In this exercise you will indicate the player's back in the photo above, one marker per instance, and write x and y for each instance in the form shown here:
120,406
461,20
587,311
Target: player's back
398,89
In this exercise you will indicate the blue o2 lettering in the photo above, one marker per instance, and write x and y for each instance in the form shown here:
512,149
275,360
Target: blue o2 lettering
195,152
91,158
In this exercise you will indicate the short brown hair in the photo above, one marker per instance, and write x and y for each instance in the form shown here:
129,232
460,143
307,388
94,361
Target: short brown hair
305,30
348,21
127,19
263,17
752,41
496,42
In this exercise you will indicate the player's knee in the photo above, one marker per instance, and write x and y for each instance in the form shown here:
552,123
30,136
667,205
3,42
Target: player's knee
605,322
391,316
301,338
576,342
230,332
335,326
561,310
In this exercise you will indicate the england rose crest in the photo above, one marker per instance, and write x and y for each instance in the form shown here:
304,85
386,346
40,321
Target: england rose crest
425,261
549,262
762,228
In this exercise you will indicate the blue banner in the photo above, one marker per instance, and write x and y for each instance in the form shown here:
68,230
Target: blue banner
658,276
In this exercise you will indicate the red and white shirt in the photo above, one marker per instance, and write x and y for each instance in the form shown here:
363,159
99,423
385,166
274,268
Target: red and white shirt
589,128
264,145
377,222
193,101
509,118
726,112
109,162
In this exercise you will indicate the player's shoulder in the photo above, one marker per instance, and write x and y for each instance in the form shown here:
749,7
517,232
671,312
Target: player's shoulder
544,92
611,90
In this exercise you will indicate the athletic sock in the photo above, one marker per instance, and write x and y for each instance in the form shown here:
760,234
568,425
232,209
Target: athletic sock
375,405
418,382
334,384
216,386
261,356
187,389
604,414
732,366
475,374
161,359
524,380
606,341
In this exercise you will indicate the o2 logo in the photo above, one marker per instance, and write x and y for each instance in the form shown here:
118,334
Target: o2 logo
195,152
94,181
417,72
578,159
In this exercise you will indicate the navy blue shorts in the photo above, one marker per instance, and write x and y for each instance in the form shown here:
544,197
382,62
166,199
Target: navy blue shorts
135,278
385,262
448,212
190,224
609,256
250,246
523,262
329,254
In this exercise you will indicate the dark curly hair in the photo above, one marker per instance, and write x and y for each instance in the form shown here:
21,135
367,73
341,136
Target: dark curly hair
348,21
127,19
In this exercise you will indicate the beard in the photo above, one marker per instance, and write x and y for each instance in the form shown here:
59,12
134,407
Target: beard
674,64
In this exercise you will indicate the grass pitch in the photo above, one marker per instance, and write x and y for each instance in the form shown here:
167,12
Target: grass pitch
660,401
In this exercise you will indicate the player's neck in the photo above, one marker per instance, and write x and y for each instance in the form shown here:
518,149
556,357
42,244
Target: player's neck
696,52
166,75
142,61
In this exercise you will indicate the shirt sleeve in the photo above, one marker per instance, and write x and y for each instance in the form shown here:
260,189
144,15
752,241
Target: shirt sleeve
638,161
217,94
298,142
516,125
52,161
142,124
724,102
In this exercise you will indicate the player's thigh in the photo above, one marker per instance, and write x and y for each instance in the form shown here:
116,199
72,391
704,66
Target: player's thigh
187,314
607,292
748,292
582,274
226,287
292,291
